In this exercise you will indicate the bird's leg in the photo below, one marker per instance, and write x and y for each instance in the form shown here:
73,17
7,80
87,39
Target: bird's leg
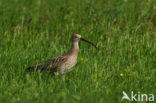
63,80
63,77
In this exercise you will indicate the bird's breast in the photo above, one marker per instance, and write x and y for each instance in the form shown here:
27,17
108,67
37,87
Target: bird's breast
72,61
69,64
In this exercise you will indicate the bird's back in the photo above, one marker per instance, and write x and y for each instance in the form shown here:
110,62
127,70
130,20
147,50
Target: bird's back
60,64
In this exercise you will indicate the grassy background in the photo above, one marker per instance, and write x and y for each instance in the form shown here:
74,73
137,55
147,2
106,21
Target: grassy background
33,31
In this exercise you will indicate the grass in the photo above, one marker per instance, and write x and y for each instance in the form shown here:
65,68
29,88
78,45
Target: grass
33,31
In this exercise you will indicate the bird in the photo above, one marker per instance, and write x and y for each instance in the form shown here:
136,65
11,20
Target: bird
63,63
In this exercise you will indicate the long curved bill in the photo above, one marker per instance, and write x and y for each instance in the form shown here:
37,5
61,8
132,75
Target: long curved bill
88,42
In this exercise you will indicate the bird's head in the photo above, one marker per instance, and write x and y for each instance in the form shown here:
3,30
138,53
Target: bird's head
77,38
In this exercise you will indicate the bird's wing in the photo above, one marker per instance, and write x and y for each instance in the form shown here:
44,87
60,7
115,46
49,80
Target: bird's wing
54,63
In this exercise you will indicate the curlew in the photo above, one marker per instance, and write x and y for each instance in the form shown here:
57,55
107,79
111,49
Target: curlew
63,63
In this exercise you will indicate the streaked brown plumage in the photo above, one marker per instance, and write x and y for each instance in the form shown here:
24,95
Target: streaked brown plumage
65,62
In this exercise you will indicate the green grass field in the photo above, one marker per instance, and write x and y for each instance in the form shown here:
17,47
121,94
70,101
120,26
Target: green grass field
33,31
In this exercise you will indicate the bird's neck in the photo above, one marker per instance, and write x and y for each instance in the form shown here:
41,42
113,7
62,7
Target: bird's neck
74,48
75,45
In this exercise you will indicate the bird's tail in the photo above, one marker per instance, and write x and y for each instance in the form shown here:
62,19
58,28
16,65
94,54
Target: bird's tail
33,68
30,69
